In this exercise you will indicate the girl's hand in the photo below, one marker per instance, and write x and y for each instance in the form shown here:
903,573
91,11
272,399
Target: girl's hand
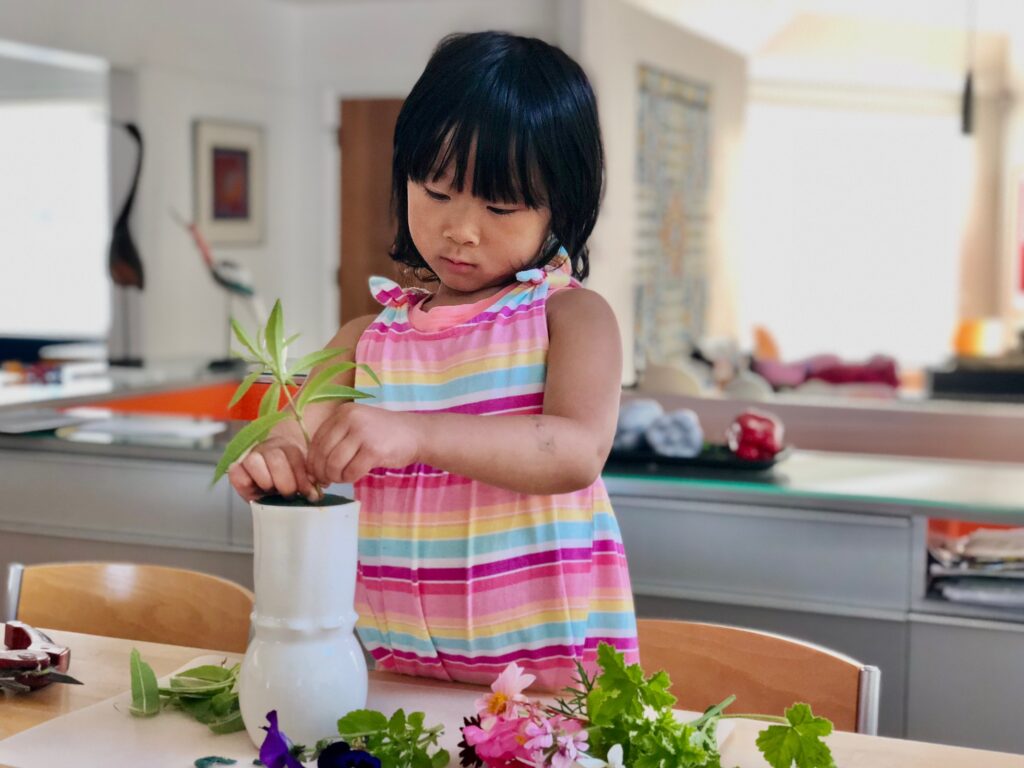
357,438
277,465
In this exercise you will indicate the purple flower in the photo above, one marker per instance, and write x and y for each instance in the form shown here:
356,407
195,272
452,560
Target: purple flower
340,755
275,752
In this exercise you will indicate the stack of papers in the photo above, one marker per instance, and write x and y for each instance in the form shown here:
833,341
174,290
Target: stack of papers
985,567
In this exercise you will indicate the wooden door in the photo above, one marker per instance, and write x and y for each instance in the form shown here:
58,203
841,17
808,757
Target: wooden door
367,228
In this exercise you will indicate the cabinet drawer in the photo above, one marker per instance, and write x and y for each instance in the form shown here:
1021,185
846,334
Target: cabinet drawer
149,500
766,555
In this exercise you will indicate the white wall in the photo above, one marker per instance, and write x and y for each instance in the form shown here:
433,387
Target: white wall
231,59
282,66
615,38
377,49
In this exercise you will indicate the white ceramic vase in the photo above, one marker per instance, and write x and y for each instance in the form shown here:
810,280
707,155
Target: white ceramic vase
304,659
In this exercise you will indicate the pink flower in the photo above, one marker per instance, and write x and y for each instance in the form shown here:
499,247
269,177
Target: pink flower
539,735
569,744
507,691
501,743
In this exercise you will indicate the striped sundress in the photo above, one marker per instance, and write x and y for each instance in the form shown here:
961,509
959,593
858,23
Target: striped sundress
457,578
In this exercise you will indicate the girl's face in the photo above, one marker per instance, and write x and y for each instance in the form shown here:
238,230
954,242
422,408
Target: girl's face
473,244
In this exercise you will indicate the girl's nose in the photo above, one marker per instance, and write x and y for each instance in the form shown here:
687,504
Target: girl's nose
462,230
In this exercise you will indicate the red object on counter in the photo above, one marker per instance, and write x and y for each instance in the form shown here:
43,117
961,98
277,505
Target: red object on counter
755,436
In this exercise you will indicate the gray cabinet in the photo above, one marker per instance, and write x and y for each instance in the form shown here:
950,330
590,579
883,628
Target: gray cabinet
966,682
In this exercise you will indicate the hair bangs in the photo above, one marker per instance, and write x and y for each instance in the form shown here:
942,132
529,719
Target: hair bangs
505,162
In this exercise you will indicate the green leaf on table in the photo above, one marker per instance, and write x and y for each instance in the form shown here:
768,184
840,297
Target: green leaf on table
211,673
247,382
799,743
145,693
245,339
227,723
361,722
396,725
224,702
246,438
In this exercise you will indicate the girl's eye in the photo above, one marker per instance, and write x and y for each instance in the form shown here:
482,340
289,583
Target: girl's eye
501,211
435,195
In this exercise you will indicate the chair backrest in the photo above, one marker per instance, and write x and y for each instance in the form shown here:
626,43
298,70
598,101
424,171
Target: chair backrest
766,672
138,602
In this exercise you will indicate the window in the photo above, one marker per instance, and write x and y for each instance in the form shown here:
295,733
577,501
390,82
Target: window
854,218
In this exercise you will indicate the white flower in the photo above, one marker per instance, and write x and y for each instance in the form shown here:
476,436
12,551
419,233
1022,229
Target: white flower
614,759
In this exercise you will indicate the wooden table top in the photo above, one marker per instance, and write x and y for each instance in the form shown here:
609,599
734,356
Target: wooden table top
101,663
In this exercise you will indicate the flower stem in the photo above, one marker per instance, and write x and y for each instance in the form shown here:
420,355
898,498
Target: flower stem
763,718
302,425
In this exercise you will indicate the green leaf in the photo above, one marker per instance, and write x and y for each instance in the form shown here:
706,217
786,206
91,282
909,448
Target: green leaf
207,762
271,399
313,359
210,673
198,709
324,378
247,437
247,382
245,339
224,703
274,337
145,694
440,759
369,372
291,340
229,723
798,743
396,725
336,392
360,722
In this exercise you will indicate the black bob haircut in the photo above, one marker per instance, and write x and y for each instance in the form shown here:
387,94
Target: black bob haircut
532,114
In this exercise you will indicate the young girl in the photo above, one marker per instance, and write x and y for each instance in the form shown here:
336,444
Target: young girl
486,533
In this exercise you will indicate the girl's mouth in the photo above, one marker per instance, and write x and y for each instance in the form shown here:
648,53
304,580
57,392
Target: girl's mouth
457,266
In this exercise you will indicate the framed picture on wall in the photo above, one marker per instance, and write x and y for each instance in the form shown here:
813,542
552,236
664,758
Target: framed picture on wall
229,172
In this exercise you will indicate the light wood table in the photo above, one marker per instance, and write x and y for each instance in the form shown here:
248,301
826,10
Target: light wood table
101,663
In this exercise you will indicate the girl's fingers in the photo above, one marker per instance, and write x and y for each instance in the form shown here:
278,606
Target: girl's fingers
319,455
338,460
281,472
257,468
242,483
358,466
297,463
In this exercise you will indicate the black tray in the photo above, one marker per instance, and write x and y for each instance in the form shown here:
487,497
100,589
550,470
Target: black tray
714,456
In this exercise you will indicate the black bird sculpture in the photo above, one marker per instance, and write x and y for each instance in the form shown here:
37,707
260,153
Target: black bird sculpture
124,263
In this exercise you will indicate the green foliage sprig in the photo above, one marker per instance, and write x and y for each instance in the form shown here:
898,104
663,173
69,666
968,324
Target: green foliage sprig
269,351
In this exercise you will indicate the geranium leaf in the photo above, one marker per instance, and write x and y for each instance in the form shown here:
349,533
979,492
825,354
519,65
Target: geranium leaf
799,743
360,722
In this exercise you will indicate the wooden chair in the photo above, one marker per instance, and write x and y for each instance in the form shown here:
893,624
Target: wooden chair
138,602
767,672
